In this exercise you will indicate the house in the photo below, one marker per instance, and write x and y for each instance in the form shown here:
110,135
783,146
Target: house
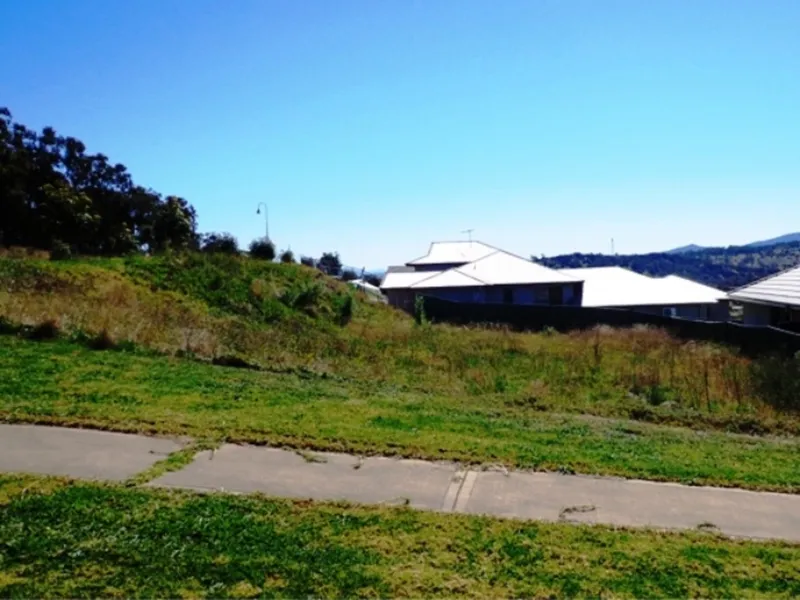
771,301
373,291
616,287
477,272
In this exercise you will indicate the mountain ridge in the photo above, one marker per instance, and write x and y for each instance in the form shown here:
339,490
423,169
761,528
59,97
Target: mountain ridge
787,238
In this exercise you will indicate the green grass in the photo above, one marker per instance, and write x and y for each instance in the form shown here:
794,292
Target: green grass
63,383
62,539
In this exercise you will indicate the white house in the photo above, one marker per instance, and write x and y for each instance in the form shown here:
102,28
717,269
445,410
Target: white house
616,287
771,301
477,272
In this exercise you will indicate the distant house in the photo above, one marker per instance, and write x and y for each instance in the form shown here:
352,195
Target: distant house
373,291
616,287
477,272
771,301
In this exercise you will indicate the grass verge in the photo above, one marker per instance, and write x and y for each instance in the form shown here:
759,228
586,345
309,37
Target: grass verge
61,383
174,462
64,539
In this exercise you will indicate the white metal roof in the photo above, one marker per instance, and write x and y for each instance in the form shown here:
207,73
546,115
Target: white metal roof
451,278
453,253
615,286
498,268
400,280
502,268
782,289
365,286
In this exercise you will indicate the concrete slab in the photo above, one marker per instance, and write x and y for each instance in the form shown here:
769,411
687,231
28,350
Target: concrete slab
79,453
553,497
321,476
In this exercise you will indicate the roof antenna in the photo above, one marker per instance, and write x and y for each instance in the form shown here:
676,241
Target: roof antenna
612,245
469,234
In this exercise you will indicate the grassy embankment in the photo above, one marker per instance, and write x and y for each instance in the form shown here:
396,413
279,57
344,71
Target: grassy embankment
377,382
82,539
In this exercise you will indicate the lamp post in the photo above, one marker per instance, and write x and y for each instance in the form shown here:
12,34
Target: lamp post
266,218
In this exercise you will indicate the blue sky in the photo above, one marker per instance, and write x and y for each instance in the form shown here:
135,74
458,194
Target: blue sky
374,127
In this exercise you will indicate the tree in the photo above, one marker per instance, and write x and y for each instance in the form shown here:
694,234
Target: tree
54,193
373,279
308,261
330,264
349,275
221,243
287,256
262,248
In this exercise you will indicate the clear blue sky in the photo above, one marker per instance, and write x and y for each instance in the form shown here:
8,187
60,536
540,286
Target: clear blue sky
373,127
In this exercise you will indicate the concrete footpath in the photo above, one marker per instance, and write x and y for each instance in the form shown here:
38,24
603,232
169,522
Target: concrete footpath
443,487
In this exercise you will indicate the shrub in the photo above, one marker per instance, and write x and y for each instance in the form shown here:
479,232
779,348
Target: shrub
419,311
263,249
60,251
344,310
287,256
330,264
46,330
777,381
349,275
102,341
221,243
308,261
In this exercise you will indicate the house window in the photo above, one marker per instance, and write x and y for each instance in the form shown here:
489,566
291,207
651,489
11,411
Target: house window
556,295
670,311
508,296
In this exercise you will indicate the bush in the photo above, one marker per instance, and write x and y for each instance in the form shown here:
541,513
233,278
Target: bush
60,251
308,261
221,243
349,275
46,330
263,249
287,256
330,264
344,310
777,381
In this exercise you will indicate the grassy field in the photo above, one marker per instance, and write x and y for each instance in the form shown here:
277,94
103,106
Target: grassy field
65,383
81,539
290,317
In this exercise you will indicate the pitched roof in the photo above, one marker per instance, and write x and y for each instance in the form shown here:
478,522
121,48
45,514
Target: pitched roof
498,268
616,286
782,289
404,279
453,253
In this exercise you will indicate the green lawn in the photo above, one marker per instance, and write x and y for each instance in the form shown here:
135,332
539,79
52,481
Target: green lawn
62,383
80,539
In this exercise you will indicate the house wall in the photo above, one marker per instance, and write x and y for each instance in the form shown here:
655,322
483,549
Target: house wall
401,298
756,314
520,294
695,312
761,314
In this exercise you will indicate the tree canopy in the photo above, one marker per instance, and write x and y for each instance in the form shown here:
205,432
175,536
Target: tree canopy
56,195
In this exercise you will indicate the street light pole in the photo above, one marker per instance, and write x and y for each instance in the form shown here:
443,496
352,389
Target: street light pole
266,218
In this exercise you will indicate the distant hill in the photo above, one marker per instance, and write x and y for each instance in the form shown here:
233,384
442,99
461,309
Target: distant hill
723,268
784,239
685,249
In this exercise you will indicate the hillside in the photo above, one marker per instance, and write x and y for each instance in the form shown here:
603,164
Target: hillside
723,268
783,239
